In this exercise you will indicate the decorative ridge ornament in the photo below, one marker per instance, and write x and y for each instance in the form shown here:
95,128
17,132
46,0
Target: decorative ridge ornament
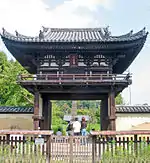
41,35
107,33
17,34
3,29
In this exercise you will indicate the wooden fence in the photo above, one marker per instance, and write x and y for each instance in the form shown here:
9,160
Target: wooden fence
71,149
131,146
25,146
44,147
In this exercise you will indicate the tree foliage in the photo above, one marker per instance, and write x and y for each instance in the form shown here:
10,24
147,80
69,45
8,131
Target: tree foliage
11,93
119,100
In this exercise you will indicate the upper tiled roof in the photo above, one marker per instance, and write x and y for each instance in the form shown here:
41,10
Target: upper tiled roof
75,35
133,109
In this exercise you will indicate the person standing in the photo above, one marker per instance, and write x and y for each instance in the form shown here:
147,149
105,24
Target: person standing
83,127
83,131
69,129
76,127
59,133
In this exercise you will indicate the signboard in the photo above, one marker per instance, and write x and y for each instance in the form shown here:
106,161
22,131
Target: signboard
39,141
73,60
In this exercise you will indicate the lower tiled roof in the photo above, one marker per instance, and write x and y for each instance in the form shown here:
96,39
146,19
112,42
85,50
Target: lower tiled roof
119,109
16,109
132,109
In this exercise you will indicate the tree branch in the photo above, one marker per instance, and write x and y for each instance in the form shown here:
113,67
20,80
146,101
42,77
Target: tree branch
31,102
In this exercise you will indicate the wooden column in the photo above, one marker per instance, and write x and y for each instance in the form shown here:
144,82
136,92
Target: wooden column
104,114
47,113
36,117
111,110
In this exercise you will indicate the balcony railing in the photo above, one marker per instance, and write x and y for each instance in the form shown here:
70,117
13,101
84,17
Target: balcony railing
76,78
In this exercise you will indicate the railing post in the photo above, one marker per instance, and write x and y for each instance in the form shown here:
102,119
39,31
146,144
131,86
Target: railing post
73,77
48,149
46,77
87,79
135,144
101,77
7,138
71,149
60,79
93,149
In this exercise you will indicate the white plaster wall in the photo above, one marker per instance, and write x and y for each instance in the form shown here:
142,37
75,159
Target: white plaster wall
127,121
14,116
22,121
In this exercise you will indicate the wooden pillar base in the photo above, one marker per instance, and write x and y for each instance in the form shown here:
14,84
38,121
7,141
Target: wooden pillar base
111,110
108,112
111,123
36,121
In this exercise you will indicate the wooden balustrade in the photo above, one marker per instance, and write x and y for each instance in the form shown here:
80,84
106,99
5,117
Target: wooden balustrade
59,78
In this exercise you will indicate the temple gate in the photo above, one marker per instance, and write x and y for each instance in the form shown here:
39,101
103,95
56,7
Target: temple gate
75,64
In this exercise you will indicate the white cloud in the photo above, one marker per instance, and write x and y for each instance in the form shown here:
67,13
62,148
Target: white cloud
92,4
29,15
22,15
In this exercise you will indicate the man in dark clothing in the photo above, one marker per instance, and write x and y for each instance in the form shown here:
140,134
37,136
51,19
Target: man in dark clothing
70,129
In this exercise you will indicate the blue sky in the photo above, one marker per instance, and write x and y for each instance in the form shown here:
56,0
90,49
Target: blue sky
27,16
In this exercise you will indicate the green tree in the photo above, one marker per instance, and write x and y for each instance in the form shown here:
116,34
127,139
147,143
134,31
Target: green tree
119,100
57,117
11,93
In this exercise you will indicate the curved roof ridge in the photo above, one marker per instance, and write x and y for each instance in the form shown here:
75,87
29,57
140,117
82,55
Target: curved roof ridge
130,34
6,33
74,29
124,35
141,32
23,36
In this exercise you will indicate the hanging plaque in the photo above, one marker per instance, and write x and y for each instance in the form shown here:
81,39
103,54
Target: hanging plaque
73,60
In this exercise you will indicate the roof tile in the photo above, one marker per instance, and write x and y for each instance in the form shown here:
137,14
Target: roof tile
76,35
119,109
132,109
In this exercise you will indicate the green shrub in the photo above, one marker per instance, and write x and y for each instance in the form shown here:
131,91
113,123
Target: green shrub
120,154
